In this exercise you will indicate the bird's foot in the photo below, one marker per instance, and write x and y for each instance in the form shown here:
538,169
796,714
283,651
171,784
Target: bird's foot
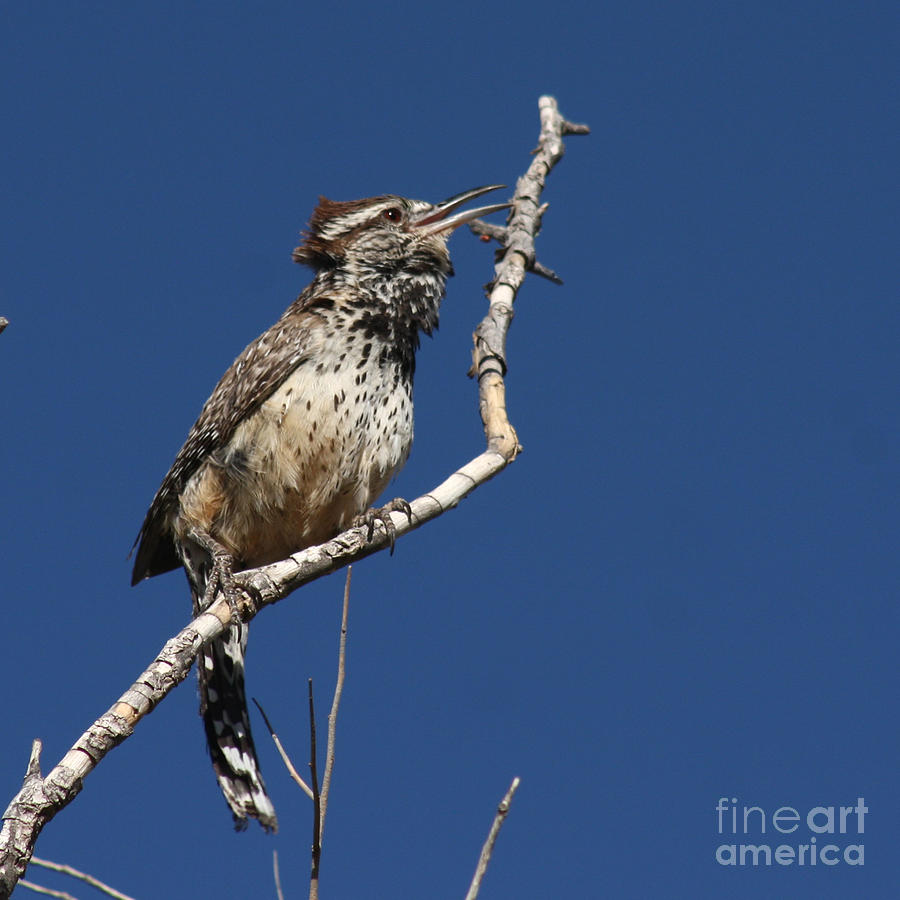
221,577
383,515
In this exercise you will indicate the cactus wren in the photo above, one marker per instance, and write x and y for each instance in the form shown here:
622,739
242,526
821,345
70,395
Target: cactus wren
301,434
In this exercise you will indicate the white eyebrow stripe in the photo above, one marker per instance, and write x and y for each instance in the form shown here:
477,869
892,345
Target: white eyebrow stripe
349,221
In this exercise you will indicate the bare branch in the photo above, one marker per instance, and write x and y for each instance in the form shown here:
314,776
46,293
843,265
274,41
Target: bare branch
335,703
332,717
278,892
288,764
317,807
60,895
82,876
40,799
488,231
488,847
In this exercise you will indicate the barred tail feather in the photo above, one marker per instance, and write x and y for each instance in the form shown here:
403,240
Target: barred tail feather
226,720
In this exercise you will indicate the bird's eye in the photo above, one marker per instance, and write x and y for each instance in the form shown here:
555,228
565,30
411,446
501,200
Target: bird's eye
392,215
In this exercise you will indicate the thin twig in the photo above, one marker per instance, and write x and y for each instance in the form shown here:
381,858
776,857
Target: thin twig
278,892
488,847
61,895
82,876
317,808
488,231
335,703
283,753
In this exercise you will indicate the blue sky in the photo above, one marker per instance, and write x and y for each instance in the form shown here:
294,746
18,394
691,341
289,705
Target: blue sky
684,589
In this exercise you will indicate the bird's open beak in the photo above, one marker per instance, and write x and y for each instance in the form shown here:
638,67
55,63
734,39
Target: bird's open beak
435,220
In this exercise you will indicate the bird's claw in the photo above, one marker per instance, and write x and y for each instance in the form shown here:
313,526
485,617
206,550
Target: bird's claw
383,515
221,577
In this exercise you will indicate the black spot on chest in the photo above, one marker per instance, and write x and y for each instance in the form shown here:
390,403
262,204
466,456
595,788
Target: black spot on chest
373,325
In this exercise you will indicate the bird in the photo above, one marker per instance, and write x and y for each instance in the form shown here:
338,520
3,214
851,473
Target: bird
301,435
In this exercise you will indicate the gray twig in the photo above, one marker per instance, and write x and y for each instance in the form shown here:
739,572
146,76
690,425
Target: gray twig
488,847
49,892
275,871
81,876
336,702
317,804
489,231
285,758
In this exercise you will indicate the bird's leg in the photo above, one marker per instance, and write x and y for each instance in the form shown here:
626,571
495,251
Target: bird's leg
222,575
383,515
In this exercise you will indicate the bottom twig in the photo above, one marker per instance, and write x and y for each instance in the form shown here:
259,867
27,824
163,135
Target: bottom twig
488,847
335,705
277,873
317,801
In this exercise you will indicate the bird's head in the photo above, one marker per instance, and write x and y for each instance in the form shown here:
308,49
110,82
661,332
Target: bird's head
390,252
387,234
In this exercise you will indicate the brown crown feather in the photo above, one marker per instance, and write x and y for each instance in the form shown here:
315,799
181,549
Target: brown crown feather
320,252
